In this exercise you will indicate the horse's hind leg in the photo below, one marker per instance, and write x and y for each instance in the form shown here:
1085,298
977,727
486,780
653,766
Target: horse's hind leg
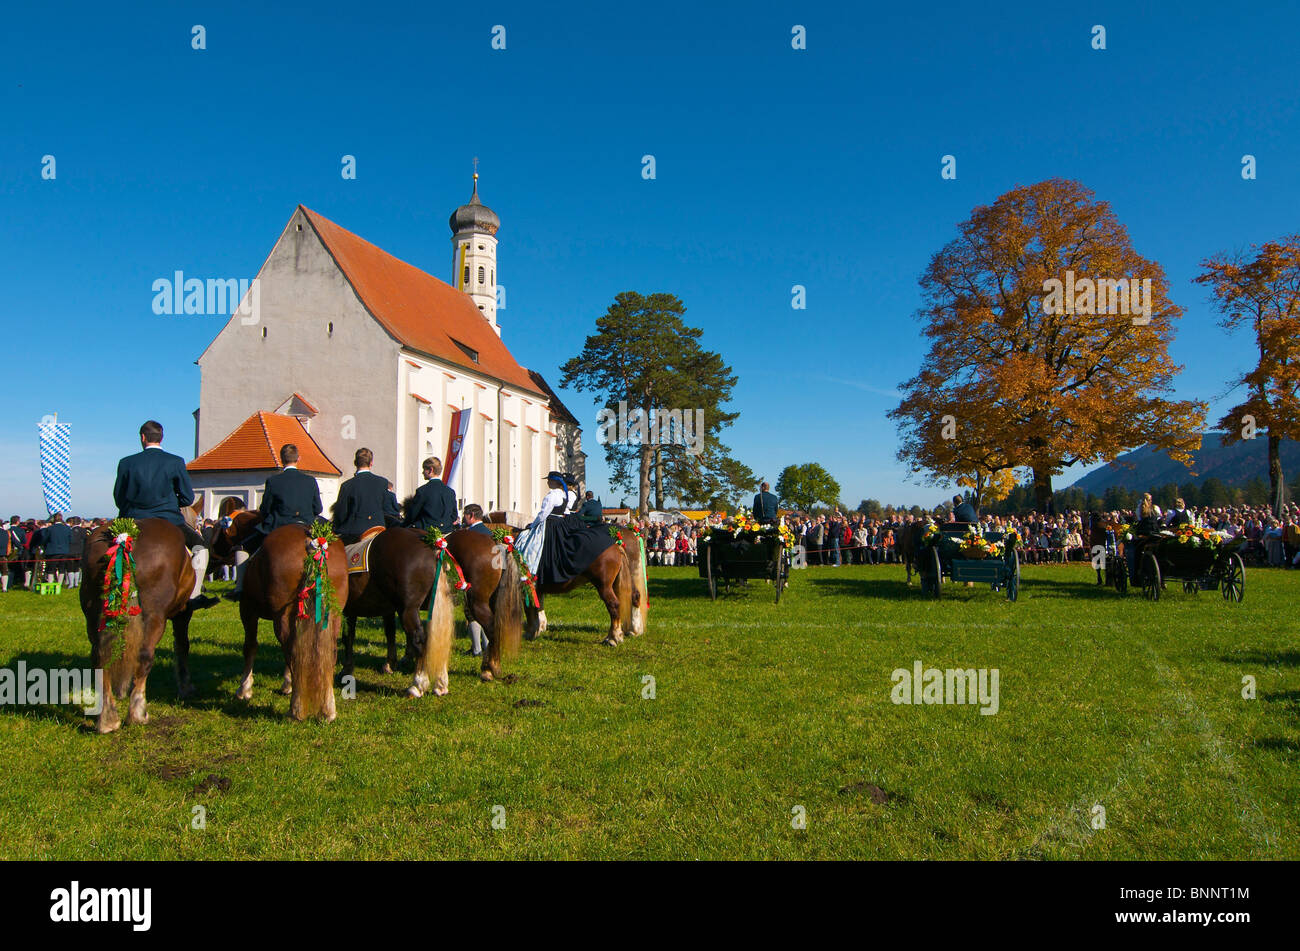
390,638
610,597
181,636
284,634
481,611
432,648
153,632
108,719
248,615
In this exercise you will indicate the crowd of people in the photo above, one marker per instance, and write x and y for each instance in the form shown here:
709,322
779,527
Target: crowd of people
837,538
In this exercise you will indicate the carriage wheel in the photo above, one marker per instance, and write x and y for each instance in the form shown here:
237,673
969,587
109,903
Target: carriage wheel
1013,577
708,573
1150,577
936,568
1121,576
1191,587
1233,583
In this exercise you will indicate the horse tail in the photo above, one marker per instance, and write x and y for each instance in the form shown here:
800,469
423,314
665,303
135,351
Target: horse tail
431,666
120,670
640,593
315,648
623,590
508,609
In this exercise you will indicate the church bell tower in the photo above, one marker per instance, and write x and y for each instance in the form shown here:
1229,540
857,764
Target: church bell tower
474,253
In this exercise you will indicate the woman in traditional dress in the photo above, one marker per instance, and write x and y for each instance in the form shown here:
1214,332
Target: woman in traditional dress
559,545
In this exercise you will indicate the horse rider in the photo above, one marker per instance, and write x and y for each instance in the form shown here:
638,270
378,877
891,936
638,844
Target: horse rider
765,505
556,547
592,511
364,502
434,504
290,497
155,484
473,522
1179,515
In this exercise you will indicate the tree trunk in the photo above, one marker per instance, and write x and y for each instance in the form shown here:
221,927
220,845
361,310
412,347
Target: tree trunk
1275,472
659,479
643,483
1043,492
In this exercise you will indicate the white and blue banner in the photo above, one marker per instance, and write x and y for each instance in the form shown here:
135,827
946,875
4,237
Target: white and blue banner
56,464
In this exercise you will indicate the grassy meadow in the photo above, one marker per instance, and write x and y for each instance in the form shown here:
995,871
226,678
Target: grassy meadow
764,717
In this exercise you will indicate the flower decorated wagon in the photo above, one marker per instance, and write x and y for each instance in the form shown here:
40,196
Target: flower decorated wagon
963,553
740,549
1200,558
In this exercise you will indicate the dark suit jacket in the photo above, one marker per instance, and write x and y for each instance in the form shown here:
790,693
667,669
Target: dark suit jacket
966,513
434,505
153,484
765,504
56,540
591,511
364,502
292,497
479,527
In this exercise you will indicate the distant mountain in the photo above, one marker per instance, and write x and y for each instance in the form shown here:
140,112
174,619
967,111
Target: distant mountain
1234,466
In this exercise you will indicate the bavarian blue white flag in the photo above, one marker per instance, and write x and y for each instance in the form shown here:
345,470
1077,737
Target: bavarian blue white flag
56,464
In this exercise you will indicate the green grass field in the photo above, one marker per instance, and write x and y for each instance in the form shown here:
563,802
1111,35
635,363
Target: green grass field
758,709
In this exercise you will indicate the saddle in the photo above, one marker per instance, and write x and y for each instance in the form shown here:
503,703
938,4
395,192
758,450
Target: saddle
359,554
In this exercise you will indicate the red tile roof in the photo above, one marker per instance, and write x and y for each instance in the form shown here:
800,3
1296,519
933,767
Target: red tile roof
256,442
420,311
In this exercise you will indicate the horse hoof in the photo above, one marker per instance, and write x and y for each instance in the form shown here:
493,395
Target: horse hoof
287,690
138,713
439,691
610,642
414,693
185,691
485,676
108,724
386,669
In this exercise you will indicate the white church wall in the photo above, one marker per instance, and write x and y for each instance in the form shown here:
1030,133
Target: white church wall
312,336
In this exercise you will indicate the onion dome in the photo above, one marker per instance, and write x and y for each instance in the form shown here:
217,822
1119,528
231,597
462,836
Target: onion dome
474,216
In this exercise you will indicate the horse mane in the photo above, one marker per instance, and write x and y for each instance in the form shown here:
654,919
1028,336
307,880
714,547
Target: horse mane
406,505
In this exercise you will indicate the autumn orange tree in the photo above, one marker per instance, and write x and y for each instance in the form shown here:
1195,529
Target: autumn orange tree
1048,346
1260,288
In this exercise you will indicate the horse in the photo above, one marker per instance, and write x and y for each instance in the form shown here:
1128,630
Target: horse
634,545
493,598
163,581
273,580
400,579
908,542
610,574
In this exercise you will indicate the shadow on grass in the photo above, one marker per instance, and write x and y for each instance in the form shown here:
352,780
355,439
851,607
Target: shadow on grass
1263,658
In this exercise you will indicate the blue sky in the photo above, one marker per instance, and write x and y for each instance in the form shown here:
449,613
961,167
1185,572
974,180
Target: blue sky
775,167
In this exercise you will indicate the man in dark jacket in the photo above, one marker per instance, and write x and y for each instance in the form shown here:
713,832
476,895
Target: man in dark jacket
592,511
364,501
291,496
963,511
56,539
434,504
473,522
155,484
75,551
765,505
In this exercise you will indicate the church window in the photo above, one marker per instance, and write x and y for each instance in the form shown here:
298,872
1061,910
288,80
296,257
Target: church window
468,351
494,275
465,279
481,248
331,328
263,333
481,275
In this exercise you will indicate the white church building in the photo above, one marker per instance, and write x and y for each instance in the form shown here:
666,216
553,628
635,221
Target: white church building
345,346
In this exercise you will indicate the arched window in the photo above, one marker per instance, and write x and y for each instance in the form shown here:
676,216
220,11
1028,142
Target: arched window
465,279
481,275
494,275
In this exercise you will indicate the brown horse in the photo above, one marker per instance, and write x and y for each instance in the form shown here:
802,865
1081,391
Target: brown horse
908,544
272,582
494,598
400,579
611,574
164,579
634,545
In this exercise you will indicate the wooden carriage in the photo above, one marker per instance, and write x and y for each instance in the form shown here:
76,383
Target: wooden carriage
1154,560
945,555
730,558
